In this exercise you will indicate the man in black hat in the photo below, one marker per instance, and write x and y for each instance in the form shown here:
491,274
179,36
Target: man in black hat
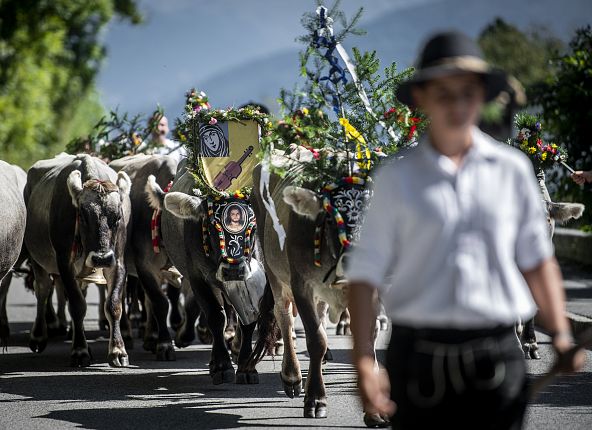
466,251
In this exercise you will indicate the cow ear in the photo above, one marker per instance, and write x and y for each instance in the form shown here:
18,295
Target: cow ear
183,205
303,201
75,186
124,183
154,194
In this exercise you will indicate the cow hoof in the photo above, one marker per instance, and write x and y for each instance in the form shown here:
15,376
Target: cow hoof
223,377
165,352
534,351
204,335
292,389
103,325
37,345
118,359
81,358
328,356
247,377
150,344
184,338
316,410
376,421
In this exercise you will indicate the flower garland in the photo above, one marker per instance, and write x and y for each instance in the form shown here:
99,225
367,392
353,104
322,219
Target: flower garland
530,141
199,111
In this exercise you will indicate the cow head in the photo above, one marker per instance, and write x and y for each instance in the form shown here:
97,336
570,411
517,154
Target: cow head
226,236
99,205
348,199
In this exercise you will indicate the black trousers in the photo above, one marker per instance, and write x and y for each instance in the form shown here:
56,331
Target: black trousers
460,379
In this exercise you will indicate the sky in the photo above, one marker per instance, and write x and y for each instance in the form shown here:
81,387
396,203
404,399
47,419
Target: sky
239,50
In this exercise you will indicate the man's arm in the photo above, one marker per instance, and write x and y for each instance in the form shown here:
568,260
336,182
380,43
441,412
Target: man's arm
581,177
545,283
373,385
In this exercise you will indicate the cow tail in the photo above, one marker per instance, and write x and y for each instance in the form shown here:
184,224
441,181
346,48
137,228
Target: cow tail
267,328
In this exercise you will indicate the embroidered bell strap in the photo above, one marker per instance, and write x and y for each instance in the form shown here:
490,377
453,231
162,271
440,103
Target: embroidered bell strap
252,225
155,224
330,210
76,250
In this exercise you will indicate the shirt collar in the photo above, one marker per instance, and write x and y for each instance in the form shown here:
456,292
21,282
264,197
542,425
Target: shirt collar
481,149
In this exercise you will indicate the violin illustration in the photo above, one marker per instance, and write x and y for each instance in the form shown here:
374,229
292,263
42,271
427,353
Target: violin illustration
231,171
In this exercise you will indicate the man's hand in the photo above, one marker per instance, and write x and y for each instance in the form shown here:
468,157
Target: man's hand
568,360
580,177
374,388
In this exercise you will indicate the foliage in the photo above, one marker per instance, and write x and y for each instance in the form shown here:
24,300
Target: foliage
566,102
197,112
116,136
50,53
523,54
530,141
328,115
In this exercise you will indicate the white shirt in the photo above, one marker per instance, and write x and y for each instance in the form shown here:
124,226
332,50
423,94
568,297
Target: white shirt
445,245
170,147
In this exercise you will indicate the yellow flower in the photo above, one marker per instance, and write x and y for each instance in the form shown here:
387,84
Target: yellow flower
531,150
305,111
554,146
544,156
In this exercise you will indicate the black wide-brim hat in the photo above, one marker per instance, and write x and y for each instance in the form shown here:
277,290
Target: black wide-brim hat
453,53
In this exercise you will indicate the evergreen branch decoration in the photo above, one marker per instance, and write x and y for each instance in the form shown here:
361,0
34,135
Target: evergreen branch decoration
330,115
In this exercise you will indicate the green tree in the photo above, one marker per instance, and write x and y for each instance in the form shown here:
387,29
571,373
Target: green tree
565,98
50,53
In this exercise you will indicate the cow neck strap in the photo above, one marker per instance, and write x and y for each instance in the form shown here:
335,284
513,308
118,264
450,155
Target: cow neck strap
155,224
332,211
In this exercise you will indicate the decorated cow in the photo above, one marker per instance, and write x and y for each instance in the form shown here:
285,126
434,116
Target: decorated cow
147,259
209,232
543,156
78,210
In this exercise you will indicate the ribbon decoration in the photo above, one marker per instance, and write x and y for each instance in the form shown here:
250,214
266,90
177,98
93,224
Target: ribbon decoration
326,28
268,201
363,157
155,224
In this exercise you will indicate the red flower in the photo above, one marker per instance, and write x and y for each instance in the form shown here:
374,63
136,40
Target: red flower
412,132
389,112
539,142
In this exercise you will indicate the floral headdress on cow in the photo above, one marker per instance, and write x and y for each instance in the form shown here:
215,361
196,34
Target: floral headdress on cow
116,135
346,114
198,112
530,140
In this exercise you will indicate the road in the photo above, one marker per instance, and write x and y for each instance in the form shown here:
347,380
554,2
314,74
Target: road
40,391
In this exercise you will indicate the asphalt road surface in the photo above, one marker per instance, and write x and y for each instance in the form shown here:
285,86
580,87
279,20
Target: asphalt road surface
40,391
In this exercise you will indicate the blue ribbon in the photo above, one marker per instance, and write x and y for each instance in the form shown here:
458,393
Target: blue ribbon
336,73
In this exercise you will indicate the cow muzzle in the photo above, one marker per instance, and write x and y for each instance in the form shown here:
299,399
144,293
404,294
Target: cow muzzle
100,259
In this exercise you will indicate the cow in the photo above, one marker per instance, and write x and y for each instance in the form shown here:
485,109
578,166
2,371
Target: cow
194,247
78,211
146,258
555,212
13,214
303,279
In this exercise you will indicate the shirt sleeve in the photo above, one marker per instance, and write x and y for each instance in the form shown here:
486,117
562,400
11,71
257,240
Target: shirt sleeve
372,255
533,242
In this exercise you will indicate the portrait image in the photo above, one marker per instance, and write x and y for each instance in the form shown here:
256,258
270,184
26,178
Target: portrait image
213,140
234,218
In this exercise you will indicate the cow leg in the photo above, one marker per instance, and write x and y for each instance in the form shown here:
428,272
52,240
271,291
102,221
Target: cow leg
246,373
43,286
132,292
342,328
116,277
61,309
315,399
126,325
236,342
529,342
80,355
54,325
103,322
322,310
175,318
4,327
186,334
290,374
159,306
212,305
